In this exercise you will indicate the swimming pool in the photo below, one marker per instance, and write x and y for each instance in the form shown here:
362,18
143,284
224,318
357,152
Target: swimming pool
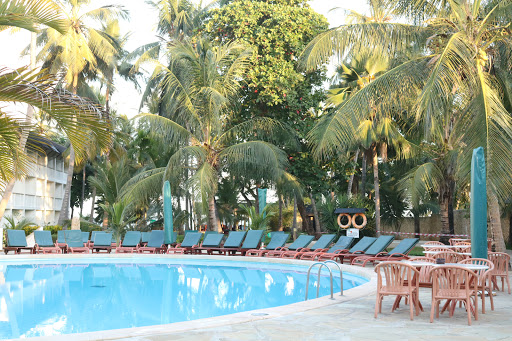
49,297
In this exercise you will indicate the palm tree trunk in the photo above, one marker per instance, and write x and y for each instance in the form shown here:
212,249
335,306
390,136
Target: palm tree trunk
351,179
417,225
64,210
257,200
82,196
495,229
24,134
444,201
363,174
280,199
376,187
318,230
306,226
105,220
294,222
91,216
213,221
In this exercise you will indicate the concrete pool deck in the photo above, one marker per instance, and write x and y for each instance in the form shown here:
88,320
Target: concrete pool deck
348,318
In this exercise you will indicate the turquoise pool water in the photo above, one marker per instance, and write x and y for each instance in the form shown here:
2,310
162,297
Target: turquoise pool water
45,298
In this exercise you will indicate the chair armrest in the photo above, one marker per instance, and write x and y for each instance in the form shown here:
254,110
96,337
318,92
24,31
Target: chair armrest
178,245
302,249
281,248
358,253
341,251
380,254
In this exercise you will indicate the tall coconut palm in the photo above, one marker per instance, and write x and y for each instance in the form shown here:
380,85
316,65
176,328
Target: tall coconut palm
204,80
456,72
75,51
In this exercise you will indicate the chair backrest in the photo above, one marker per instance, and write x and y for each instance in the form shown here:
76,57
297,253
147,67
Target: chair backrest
156,239
396,274
301,241
323,242
144,236
43,238
343,243
16,238
131,239
253,239
191,239
433,243
74,238
452,280
501,261
424,270
379,245
212,240
405,246
463,247
235,239
61,236
85,236
103,239
273,233
363,244
448,256
210,232
277,240
452,241
483,274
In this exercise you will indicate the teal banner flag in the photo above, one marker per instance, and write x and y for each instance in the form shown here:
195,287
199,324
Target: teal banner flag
168,223
478,205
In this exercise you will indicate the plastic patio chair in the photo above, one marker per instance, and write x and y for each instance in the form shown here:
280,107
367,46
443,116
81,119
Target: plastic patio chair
210,240
44,243
484,278
190,242
277,240
343,243
401,280
16,241
359,248
454,284
501,263
131,242
448,256
300,243
321,245
233,242
399,252
252,241
155,243
375,248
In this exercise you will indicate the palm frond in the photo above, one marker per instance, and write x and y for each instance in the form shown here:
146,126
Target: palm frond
28,14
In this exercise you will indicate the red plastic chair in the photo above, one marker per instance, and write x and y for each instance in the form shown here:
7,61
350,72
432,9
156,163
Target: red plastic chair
501,263
484,278
401,280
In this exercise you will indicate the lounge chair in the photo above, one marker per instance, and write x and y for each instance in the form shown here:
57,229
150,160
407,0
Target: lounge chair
252,241
61,240
276,241
155,243
211,240
343,243
74,242
16,241
102,242
300,243
400,252
359,247
44,243
233,242
190,242
85,237
144,238
321,245
130,243
376,247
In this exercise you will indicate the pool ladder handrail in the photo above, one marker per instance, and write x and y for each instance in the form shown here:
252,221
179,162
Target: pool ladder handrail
321,265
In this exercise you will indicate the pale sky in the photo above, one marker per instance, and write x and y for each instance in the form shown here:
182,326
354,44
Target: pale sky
141,26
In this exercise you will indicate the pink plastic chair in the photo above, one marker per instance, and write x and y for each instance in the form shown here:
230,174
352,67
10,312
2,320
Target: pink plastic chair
454,283
401,280
449,256
484,278
501,263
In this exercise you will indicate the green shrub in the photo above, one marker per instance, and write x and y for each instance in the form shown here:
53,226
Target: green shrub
89,227
53,228
29,229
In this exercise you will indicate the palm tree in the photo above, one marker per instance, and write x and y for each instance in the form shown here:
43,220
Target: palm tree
73,52
203,82
29,14
456,73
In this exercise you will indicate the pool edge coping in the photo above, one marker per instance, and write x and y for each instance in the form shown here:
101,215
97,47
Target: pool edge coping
363,290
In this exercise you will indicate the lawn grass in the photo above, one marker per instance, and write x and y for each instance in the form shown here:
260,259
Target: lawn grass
417,251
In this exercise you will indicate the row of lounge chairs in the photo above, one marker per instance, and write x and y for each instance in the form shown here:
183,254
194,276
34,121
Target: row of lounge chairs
368,249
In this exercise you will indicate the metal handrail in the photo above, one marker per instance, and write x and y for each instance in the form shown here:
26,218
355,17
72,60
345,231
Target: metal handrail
341,274
318,280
